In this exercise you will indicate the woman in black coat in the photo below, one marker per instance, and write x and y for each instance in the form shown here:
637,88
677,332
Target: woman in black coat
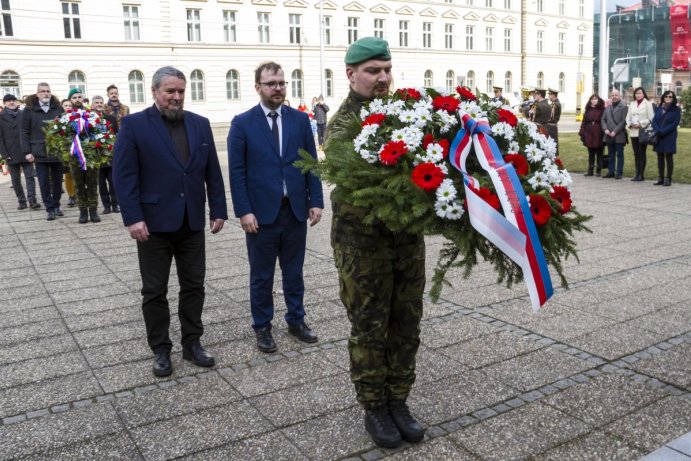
665,122
591,133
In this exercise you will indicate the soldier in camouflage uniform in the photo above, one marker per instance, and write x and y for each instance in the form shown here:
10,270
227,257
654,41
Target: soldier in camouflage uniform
381,276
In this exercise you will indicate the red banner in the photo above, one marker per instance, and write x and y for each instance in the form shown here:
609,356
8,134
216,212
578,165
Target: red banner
681,36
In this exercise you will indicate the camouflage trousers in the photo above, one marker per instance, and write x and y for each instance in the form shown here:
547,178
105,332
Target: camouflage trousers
86,186
383,298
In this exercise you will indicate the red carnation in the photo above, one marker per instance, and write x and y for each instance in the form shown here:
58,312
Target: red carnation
427,176
559,163
408,93
62,132
465,93
374,119
507,116
110,147
391,151
519,163
447,103
562,195
539,206
486,195
97,145
427,140
444,143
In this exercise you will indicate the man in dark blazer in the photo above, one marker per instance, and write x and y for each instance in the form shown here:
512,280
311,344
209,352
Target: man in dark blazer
274,200
164,166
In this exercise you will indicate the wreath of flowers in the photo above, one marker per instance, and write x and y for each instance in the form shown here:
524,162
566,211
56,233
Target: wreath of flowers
393,160
80,137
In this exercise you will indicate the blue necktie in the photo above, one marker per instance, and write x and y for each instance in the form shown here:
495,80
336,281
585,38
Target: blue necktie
274,129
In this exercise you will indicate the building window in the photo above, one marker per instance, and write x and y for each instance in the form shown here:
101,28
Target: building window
6,23
428,81
197,85
130,14
489,38
448,36
470,80
581,44
540,37
540,80
561,8
581,8
450,80
230,26
490,82
403,33
294,21
329,80
327,30
507,4
678,88
507,40
263,27
353,24
469,2
562,38
379,28
296,84
194,25
70,20
9,83
76,79
539,6
562,82
136,84
232,84
469,33
427,35
508,84
489,3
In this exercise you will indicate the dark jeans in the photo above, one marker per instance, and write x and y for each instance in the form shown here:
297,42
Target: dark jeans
615,150
29,175
661,160
321,130
155,258
106,188
50,182
639,153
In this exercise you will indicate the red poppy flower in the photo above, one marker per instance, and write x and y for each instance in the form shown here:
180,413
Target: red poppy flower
427,176
408,93
447,103
465,93
507,116
391,151
539,206
374,119
519,163
562,195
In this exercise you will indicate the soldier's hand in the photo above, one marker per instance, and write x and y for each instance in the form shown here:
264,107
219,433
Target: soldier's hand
249,223
139,231
315,216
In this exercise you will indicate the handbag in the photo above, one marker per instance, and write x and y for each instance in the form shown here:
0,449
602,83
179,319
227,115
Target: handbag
648,137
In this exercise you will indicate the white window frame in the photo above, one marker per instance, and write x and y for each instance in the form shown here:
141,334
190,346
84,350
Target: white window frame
130,15
230,26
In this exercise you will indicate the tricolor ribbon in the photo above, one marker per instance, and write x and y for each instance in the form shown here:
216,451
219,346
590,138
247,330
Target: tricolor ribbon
80,125
514,232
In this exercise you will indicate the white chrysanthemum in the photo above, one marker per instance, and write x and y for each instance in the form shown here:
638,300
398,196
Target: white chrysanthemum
377,106
472,109
408,116
495,104
446,191
504,130
360,140
423,104
369,156
395,107
446,120
539,180
442,208
455,211
364,113
435,150
533,153
442,91
412,136
549,145
514,147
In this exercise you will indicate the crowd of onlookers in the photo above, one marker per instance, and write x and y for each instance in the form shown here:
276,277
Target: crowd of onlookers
645,123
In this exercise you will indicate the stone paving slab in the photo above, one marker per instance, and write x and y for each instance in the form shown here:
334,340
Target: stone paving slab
273,446
670,366
594,446
116,447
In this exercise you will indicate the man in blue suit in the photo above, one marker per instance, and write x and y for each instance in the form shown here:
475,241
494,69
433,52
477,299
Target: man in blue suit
274,200
164,166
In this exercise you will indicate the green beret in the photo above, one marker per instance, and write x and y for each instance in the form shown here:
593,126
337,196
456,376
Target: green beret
73,91
367,48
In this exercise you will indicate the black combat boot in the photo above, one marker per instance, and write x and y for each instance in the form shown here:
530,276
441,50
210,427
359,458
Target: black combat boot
381,427
83,215
93,214
410,430
668,182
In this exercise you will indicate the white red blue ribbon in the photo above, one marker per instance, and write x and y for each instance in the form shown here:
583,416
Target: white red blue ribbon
80,125
514,232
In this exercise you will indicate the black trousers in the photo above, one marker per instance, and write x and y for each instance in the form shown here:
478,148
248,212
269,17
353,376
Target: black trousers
105,186
321,131
639,156
29,175
50,182
661,160
155,258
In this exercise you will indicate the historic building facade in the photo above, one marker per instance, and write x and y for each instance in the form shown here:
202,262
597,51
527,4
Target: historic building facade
218,44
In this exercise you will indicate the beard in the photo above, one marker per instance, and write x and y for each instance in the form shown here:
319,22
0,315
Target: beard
172,115
77,105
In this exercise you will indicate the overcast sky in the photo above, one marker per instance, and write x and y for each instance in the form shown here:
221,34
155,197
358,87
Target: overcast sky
611,4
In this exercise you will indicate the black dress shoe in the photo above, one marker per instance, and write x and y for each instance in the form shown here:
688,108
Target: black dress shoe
35,206
22,206
198,355
265,340
382,428
410,429
51,216
116,209
71,202
302,332
609,175
162,365
58,212
106,210
617,176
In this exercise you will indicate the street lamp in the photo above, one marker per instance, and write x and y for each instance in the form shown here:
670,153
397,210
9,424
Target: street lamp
604,50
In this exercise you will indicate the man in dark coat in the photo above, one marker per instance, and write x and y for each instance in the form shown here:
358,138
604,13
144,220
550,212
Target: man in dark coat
554,116
320,109
614,126
541,110
11,151
41,108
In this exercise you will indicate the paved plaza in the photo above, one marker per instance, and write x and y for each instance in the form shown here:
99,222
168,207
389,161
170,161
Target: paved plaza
602,373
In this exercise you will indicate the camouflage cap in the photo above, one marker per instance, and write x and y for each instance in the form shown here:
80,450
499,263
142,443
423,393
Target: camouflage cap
367,48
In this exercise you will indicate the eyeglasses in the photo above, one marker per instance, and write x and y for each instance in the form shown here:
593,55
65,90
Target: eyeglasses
273,85
669,96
